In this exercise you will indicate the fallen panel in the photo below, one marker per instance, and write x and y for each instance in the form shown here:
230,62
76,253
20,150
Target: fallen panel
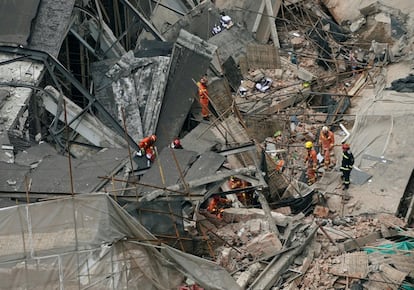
164,172
263,57
353,265
53,175
160,217
359,177
207,164
138,86
103,87
6,149
200,139
16,20
51,24
232,43
12,176
190,60
232,73
79,242
91,128
35,154
199,22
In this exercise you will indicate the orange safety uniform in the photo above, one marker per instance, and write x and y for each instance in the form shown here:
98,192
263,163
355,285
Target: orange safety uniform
150,153
243,197
216,205
204,101
280,164
312,163
146,143
327,142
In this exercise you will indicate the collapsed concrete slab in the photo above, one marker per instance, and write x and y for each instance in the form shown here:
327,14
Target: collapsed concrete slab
91,128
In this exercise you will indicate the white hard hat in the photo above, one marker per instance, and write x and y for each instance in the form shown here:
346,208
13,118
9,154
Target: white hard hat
324,129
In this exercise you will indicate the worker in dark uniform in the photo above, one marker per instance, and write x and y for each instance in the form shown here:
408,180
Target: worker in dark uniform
347,164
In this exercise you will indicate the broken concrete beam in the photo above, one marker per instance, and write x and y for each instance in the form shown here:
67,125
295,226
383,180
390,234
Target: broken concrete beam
100,32
264,245
336,235
288,101
268,214
354,244
196,44
234,215
305,75
304,267
279,264
286,62
245,277
88,126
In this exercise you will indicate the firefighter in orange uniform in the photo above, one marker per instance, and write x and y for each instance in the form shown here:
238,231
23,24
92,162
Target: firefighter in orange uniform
244,197
204,98
326,143
311,162
217,205
146,145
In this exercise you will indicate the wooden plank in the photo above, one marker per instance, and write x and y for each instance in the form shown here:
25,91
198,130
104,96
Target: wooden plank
353,244
387,279
353,265
262,56
393,274
267,25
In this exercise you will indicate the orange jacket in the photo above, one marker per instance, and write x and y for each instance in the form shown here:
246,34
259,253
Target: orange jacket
327,141
204,101
146,143
311,159
202,90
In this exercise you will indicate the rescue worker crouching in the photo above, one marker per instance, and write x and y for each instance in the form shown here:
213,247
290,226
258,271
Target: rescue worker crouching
146,146
217,205
311,161
245,197
346,165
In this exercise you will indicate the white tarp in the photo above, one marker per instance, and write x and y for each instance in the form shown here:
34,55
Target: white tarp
84,242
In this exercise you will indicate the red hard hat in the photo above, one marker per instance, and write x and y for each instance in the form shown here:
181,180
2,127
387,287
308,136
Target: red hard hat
153,138
177,142
345,146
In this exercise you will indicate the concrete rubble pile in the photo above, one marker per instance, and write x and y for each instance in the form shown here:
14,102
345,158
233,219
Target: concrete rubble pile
221,195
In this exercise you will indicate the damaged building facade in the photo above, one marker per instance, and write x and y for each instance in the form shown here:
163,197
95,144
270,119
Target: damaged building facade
230,205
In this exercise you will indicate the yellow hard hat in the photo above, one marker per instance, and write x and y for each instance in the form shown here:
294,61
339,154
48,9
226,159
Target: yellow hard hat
308,145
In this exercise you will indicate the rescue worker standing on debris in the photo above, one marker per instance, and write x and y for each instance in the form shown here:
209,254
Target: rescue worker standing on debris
176,144
347,165
326,143
311,162
204,98
146,145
